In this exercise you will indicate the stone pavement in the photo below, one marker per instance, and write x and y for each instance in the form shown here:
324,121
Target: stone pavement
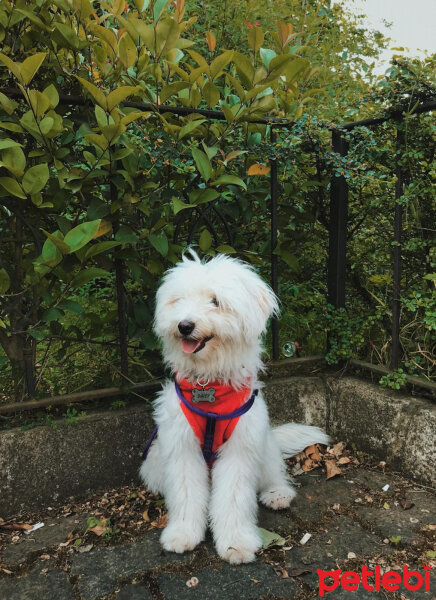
352,523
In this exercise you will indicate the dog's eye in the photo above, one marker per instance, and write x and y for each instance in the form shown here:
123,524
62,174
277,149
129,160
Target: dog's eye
215,301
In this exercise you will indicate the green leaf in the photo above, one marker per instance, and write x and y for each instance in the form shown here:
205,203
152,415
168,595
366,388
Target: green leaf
290,259
100,247
266,56
95,92
46,125
225,249
8,143
52,94
158,8
32,17
39,102
12,186
189,127
125,235
5,281
269,538
178,205
203,196
50,257
395,539
30,67
171,89
205,240
229,180
218,63
87,275
211,94
160,242
58,241
14,68
127,50
255,38
70,36
80,235
52,314
35,178
117,96
71,306
203,163
295,67
244,69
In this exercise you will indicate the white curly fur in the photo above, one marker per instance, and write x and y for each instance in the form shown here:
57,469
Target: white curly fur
250,463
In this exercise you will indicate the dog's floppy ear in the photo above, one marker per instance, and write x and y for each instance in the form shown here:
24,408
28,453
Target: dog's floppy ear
267,300
262,304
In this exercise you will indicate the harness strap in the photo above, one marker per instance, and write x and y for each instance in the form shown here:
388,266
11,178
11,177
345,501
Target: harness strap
211,419
150,441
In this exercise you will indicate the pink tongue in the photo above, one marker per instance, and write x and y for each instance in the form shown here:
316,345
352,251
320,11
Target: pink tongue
190,346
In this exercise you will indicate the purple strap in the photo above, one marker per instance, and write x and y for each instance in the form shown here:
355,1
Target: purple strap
210,415
150,441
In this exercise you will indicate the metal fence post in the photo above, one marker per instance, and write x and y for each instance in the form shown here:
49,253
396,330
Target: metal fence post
398,225
337,229
274,257
121,300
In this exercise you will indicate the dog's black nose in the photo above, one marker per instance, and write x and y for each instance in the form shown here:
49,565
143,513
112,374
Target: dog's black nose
186,327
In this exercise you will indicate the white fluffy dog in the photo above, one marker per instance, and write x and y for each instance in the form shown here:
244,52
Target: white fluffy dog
210,317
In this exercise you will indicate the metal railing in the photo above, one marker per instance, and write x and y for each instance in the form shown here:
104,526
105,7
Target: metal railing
337,265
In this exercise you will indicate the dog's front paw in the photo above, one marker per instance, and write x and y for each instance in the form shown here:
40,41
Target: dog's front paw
239,549
278,498
178,539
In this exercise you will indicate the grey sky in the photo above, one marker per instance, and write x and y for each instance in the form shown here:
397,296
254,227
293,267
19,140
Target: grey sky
413,24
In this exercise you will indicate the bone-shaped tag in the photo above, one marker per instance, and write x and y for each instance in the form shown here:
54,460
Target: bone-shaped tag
203,395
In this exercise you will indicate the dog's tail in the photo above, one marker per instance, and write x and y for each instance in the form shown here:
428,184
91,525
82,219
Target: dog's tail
293,437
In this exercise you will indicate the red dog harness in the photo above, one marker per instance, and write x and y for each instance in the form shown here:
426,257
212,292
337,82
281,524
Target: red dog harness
211,428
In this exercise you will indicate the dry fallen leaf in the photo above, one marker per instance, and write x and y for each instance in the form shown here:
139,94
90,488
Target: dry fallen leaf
309,465
145,516
313,452
344,460
160,522
332,469
351,555
296,572
98,530
86,548
337,449
16,526
406,505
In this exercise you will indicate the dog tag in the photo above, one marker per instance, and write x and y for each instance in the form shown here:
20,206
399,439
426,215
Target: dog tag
203,395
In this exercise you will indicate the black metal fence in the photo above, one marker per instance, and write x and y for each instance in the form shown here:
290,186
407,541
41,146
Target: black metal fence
337,251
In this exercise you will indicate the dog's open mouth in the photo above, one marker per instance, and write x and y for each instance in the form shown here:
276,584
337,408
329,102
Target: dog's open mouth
191,345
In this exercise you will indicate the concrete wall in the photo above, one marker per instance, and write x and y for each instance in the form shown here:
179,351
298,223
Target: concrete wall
44,465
